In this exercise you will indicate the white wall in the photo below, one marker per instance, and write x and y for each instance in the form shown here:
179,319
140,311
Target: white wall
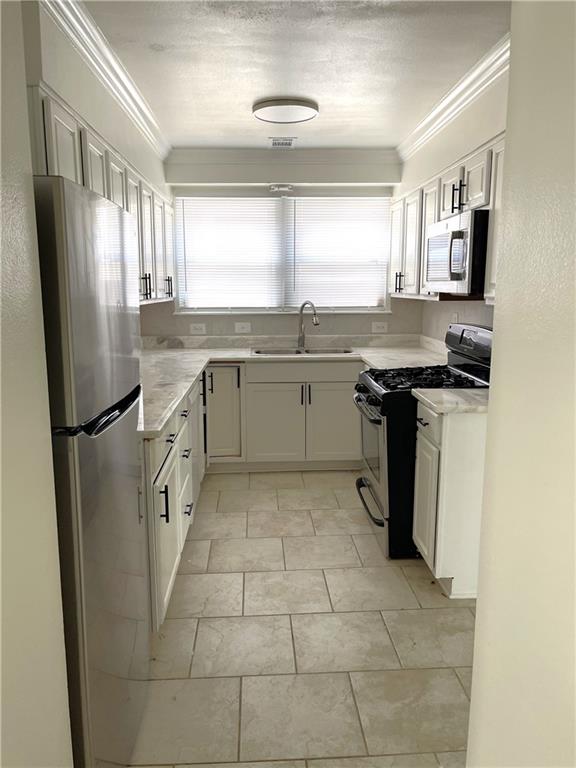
52,59
35,727
523,690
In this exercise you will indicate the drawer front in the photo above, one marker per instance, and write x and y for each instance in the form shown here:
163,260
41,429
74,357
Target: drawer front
161,446
292,371
429,424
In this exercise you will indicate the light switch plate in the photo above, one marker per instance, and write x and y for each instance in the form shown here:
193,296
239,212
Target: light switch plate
198,329
380,327
242,327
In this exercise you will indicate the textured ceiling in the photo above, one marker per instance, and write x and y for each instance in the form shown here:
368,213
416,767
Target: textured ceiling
376,68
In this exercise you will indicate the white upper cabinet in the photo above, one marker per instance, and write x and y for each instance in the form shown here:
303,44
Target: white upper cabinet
494,223
116,180
450,189
159,250
147,240
410,271
94,163
430,215
169,248
62,142
396,244
477,180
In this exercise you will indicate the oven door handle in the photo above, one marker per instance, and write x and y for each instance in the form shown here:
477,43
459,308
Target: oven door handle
361,483
360,403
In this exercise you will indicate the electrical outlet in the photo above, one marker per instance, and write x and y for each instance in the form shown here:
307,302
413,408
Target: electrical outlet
198,329
380,327
454,318
242,327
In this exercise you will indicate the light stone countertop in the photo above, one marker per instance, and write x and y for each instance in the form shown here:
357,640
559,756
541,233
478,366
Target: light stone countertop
454,400
167,375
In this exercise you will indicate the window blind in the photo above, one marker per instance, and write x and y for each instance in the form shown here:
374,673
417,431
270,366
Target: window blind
257,253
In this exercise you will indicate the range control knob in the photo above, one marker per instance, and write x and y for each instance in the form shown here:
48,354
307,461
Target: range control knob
362,388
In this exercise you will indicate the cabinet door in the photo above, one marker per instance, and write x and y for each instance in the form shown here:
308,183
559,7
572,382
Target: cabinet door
425,498
159,250
477,180
116,180
332,423
165,500
430,215
94,163
410,281
62,142
276,422
396,244
169,249
494,218
147,238
198,455
449,191
185,510
223,411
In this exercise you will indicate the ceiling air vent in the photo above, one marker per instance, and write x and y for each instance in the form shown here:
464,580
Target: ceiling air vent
282,142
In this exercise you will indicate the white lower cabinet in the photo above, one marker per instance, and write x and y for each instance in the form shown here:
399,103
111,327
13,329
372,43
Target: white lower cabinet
223,411
276,422
166,533
426,498
332,422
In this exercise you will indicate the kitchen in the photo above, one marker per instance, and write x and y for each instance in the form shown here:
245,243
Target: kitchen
269,484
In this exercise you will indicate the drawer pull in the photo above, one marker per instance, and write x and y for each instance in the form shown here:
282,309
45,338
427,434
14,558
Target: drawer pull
171,438
188,509
185,413
420,420
166,514
186,453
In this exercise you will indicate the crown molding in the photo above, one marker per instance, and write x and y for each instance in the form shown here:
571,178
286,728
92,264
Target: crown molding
490,67
81,29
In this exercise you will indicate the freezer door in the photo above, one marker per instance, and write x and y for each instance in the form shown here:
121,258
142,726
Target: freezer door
104,562
89,264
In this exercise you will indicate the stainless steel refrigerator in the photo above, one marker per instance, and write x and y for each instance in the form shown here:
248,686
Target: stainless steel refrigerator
89,268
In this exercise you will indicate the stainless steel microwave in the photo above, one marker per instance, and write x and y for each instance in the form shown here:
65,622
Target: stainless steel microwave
455,254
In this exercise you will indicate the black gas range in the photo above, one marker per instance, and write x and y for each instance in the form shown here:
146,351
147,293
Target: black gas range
384,398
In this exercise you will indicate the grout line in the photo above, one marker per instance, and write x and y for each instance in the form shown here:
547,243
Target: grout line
283,552
328,591
293,645
243,593
194,646
239,718
461,683
358,713
393,644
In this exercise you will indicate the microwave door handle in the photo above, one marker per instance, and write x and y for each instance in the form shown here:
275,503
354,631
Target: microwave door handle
458,272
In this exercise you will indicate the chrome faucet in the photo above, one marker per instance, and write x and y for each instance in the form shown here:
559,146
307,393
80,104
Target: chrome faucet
315,321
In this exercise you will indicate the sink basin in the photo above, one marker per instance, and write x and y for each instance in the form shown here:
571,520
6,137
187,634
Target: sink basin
324,351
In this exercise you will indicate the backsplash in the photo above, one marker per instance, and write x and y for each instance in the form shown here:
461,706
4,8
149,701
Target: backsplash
437,316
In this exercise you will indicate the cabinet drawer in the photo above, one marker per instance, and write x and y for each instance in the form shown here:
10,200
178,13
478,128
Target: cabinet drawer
296,372
161,446
429,424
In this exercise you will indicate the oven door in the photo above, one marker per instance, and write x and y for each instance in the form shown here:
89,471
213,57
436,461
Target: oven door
375,474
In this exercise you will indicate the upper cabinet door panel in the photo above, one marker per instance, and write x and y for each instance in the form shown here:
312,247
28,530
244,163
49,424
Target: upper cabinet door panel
116,180
449,190
477,179
94,163
430,215
169,245
159,251
396,244
494,223
62,142
410,281
147,236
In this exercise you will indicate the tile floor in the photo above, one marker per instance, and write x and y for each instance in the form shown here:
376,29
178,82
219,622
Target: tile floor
292,642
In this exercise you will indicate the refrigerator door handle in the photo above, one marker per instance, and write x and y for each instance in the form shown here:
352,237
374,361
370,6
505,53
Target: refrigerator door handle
104,420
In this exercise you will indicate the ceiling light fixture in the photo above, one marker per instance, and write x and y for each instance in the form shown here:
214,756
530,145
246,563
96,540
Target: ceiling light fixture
285,110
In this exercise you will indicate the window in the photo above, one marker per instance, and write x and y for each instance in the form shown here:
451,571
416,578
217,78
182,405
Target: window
257,253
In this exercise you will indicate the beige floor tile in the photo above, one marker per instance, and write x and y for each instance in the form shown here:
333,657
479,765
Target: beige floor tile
428,591
189,721
369,551
263,481
207,502
279,524
465,677
243,646
218,525
315,498
330,521
247,501
194,558
385,761
438,637
369,589
299,716
411,710
236,555
171,649
348,498
329,479
206,594
342,642
451,759
320,552
226,482
285,592
269,764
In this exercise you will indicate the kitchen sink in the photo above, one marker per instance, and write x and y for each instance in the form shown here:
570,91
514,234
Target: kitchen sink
302,351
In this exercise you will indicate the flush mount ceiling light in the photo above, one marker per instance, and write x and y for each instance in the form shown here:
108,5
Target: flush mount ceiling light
285,110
